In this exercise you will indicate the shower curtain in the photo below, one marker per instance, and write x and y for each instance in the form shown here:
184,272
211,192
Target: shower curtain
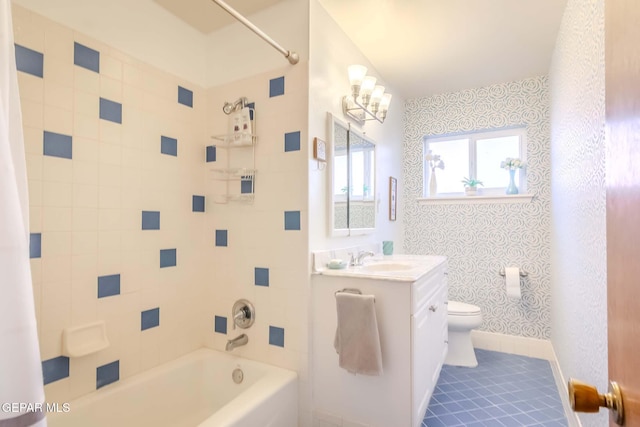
20,366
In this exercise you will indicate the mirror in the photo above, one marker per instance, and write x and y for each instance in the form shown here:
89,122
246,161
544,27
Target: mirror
353,207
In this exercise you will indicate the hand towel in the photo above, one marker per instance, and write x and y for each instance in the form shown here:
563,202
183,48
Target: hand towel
357,338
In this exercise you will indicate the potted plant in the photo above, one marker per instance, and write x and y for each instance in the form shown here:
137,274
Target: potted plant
471,186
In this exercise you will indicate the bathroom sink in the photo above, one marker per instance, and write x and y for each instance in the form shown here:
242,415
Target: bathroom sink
387,266
402,268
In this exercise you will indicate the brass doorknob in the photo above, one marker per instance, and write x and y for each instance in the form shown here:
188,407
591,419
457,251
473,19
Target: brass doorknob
585,398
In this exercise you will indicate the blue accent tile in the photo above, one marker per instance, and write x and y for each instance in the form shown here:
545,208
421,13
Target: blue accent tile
246,185
57,145
276,336
220,324
150,220
185,97
211,153
292,220
168,146
292,141
108,286
221,238
107,374
197,204
55,369
276,87
35,245
86,57
150,318
29,61
261,276
168,258
110,110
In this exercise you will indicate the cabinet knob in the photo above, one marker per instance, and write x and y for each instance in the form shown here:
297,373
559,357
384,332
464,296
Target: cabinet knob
433,308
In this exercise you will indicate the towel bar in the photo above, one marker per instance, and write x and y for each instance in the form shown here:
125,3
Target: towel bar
351,291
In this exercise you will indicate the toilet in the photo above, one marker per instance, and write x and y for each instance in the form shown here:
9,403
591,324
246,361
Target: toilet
462,318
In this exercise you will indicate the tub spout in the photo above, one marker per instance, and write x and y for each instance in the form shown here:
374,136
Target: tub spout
237,342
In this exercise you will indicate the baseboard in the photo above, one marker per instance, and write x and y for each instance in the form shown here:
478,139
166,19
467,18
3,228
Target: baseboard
561,384
523,346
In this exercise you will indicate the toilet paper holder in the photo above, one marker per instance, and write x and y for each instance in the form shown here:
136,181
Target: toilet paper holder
522,273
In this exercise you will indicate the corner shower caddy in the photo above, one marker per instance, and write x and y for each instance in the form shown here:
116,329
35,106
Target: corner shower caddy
238,177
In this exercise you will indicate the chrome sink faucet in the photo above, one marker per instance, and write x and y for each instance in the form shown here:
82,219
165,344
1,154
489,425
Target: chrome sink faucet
237,342
357,260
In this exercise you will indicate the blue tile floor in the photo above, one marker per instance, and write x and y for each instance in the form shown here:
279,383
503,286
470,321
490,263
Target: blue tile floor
504,390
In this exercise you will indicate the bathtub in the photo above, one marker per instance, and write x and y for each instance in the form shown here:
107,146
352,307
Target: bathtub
194,390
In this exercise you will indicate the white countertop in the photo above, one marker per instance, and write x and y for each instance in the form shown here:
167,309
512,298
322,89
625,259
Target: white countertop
410,268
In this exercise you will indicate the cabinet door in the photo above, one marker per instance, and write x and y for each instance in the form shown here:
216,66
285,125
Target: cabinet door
426,352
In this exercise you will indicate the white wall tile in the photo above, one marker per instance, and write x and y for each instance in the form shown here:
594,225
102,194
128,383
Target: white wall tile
56,169
111,67
56,243
31,88
85,195
84,242
58,42
58,120
86,80
85,173
86,126
57,194
33,141
59,96
110,132
111,88
32,113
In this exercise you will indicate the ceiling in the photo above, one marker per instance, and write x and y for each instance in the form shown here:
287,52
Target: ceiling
206,16
424,47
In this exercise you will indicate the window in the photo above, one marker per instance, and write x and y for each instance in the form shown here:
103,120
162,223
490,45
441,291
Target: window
475,156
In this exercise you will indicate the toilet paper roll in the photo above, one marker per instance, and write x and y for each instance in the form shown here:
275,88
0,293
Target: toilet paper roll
512,279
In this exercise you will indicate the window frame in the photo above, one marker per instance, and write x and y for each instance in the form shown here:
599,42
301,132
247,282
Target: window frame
473,137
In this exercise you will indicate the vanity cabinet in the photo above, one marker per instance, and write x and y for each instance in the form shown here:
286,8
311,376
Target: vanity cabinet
412,321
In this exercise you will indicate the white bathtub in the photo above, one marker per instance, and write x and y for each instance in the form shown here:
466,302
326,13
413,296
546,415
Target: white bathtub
194,390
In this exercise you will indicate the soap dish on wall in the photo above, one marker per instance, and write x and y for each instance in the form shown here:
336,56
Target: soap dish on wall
82,340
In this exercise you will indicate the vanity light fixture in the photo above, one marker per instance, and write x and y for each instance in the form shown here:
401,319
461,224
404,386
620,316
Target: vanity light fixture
367,100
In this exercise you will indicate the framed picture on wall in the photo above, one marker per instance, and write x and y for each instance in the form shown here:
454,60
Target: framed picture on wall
393,198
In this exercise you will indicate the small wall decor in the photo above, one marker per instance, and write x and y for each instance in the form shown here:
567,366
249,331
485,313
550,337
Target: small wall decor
319,150
393,198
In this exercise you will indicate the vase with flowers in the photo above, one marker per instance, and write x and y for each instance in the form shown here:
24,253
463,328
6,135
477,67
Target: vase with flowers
512,164
434,162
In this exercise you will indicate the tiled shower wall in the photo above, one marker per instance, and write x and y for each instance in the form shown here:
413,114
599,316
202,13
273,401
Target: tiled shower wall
115,158
261,248
125,223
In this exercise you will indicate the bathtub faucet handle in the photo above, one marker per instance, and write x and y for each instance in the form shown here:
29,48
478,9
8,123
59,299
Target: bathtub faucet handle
243,314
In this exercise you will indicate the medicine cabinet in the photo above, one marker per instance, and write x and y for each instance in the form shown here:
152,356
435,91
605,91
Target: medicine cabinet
352,176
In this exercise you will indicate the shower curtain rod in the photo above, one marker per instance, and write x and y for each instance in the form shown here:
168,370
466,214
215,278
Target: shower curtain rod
291,56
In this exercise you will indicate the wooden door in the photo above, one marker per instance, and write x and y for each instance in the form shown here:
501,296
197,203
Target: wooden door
622,69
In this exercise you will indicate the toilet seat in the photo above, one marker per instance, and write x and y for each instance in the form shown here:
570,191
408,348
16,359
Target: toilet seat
457,308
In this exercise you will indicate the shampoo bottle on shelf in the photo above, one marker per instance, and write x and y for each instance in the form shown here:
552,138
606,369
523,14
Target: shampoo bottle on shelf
245,123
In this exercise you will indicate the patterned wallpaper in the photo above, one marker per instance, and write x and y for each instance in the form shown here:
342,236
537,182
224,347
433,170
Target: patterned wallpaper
480,239
579,272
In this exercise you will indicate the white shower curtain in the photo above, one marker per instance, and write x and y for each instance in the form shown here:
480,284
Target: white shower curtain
20,367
